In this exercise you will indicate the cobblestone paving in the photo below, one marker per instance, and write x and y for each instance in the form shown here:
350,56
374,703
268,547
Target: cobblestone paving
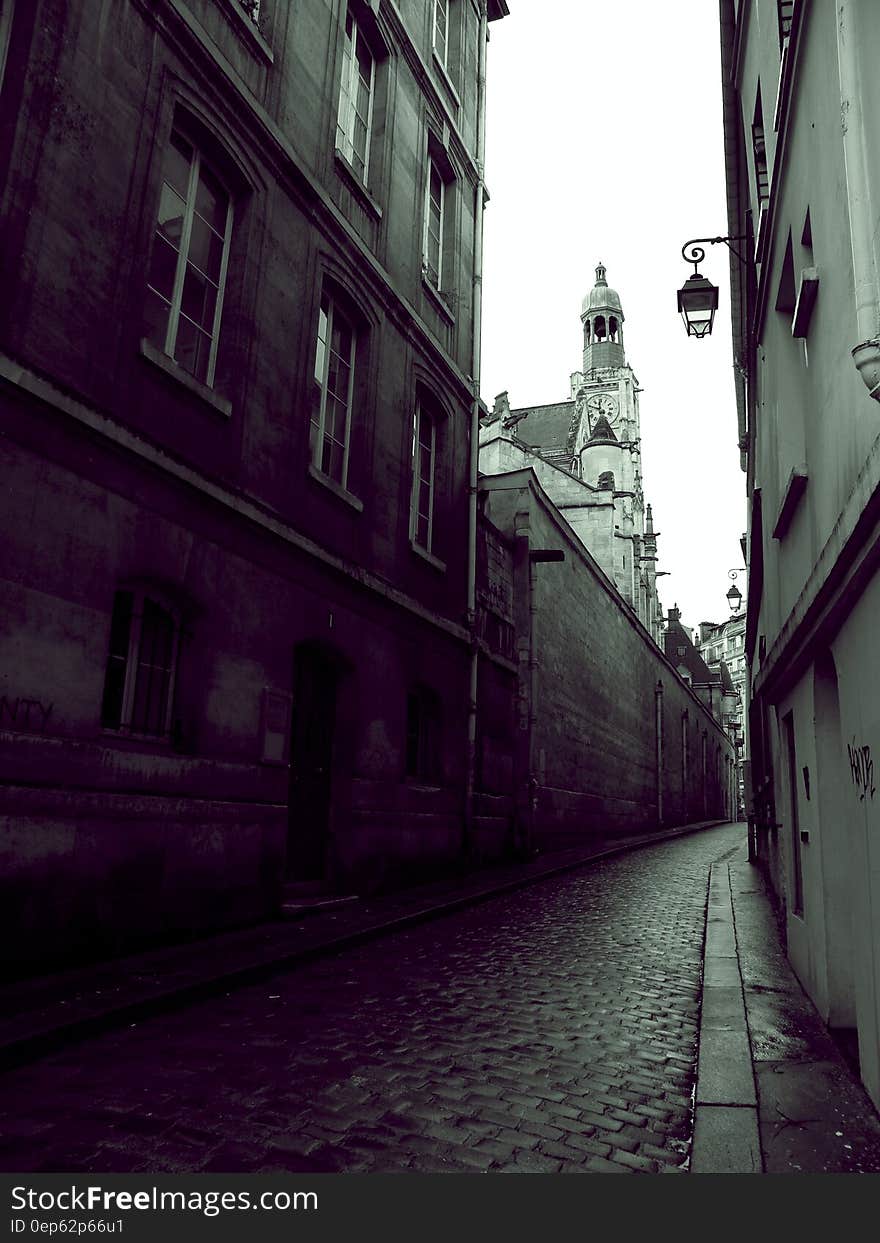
551,1030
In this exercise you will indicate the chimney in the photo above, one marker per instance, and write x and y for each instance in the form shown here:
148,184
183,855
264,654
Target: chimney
501,409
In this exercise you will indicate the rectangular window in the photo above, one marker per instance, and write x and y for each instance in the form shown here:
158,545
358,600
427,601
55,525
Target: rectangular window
441,30
759,152
6,7
423,735
785,12
424,464
188,264
139,680
356,90
434,209
330,427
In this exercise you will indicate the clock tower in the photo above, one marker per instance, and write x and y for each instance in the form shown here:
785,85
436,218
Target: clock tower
606,422
586,453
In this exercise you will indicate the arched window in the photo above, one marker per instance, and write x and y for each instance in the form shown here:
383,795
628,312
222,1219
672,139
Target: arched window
333,388
600,327
586,333
424,462
356,92
612,328
190,254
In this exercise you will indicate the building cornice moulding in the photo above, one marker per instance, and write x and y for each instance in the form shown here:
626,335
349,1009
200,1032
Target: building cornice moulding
244,507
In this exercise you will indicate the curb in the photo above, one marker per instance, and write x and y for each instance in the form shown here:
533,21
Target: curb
28,1045
726,1134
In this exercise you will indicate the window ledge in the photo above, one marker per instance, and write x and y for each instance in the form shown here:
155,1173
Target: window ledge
167,364
808,290
445,78
248,29
163,742
794,490
437,297
356,182
427,556
336,488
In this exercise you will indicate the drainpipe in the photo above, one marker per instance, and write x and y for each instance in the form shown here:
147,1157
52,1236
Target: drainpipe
477,318
866,355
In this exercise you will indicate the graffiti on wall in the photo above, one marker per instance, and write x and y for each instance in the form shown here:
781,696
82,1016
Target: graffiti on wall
27,714
861,768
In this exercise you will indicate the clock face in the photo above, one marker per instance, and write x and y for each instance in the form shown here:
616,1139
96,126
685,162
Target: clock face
603,403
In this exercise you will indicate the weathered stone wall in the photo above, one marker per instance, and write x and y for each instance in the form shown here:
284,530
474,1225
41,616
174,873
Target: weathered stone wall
594,746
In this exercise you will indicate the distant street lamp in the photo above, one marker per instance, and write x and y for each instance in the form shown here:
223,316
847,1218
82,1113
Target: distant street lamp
698,297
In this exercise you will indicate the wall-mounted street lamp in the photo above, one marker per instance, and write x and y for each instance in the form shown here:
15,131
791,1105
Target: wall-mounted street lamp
698,297
734,595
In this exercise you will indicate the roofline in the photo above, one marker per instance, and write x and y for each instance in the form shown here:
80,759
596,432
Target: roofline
525,477
544,405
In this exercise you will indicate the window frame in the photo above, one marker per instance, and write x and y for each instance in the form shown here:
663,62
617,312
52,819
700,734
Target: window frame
434,277
348,96
423,762
172,327
422,413
7,14
440,6
133,662
316,452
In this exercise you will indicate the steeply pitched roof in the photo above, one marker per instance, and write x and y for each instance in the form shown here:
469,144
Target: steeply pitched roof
680,649
602,430
544,428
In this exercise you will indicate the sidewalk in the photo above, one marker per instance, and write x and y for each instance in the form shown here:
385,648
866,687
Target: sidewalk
773,1094
44,1013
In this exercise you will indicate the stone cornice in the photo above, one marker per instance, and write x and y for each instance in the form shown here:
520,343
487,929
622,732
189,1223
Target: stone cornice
247,508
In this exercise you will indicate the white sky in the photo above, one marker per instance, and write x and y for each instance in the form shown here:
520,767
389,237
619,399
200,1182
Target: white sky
604,142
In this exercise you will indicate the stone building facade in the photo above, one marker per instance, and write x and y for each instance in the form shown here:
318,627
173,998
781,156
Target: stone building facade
609,737
801,94
238,351
586,452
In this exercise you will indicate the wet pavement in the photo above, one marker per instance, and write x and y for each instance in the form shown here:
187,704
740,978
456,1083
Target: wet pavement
549,1030
813,1114
554,1028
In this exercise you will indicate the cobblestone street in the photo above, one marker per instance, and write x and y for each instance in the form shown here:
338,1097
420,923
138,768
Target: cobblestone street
550,1030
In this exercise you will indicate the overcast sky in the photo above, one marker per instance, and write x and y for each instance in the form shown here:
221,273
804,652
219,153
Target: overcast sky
604,142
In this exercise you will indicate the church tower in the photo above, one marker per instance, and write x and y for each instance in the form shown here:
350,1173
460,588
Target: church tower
586,453
607,441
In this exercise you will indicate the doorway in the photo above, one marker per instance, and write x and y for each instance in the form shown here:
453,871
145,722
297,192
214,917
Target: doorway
316,684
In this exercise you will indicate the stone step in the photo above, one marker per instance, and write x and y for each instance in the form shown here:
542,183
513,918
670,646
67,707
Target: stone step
316,904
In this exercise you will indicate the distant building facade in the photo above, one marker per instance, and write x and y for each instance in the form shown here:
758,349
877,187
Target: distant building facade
722,646
237,397
801,94
586,451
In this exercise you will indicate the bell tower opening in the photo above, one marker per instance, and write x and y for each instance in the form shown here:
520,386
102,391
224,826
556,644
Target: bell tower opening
602,317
